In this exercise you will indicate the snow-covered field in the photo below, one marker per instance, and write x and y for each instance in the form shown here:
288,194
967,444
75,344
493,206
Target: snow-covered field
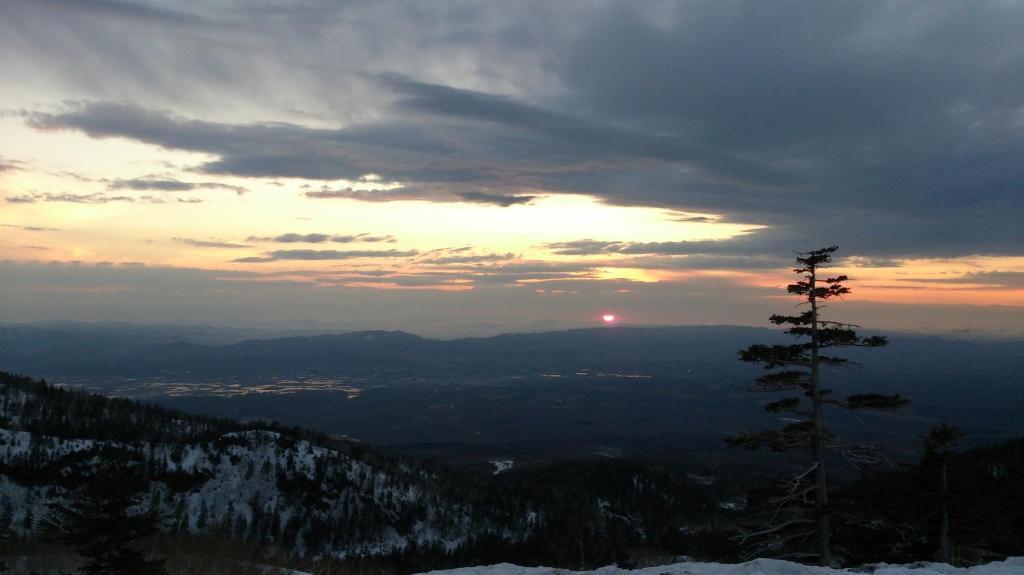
1012,566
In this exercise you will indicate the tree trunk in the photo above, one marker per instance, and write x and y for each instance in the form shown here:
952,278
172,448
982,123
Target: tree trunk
820,485
944,531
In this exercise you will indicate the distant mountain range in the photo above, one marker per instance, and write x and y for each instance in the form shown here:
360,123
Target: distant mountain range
114,349
117,350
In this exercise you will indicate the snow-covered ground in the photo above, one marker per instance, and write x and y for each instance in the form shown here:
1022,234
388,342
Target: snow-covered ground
501,465
1012,566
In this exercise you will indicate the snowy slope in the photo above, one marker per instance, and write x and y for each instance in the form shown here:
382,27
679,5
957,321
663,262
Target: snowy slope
253,485
245,480
1012,566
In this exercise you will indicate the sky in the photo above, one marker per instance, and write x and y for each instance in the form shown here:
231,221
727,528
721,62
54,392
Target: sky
470,168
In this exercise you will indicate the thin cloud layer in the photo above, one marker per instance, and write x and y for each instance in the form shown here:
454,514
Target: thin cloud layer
320,255
496,199
210,243
31,228
170,185
96,198
315,238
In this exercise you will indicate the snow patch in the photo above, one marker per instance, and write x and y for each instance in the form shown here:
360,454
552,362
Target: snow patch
501,465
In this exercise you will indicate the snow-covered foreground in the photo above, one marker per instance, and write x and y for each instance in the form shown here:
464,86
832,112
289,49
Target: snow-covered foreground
1012,566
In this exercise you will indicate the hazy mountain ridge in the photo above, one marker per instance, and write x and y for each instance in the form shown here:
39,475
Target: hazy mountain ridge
51,351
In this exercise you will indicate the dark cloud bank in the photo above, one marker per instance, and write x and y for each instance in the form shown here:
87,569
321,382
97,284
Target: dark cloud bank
892,129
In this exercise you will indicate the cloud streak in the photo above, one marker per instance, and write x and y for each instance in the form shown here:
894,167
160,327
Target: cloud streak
170,185
31,228
210,243
322,255
95,198
495,199
315,238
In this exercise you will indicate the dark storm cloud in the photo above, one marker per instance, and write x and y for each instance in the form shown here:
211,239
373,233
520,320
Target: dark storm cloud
541,131
907,111
894,129
499,129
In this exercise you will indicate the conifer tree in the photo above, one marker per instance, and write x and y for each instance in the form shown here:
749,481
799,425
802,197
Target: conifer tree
797,367
6,523
103,526
939,448
6,517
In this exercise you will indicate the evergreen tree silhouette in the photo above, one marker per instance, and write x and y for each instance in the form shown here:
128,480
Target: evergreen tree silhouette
103,526
939,448
798,367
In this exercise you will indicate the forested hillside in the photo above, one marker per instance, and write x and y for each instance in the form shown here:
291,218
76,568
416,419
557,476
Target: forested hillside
307,494
284,487
297,493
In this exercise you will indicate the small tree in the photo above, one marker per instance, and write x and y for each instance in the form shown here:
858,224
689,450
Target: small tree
939,448
797,368
103,526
